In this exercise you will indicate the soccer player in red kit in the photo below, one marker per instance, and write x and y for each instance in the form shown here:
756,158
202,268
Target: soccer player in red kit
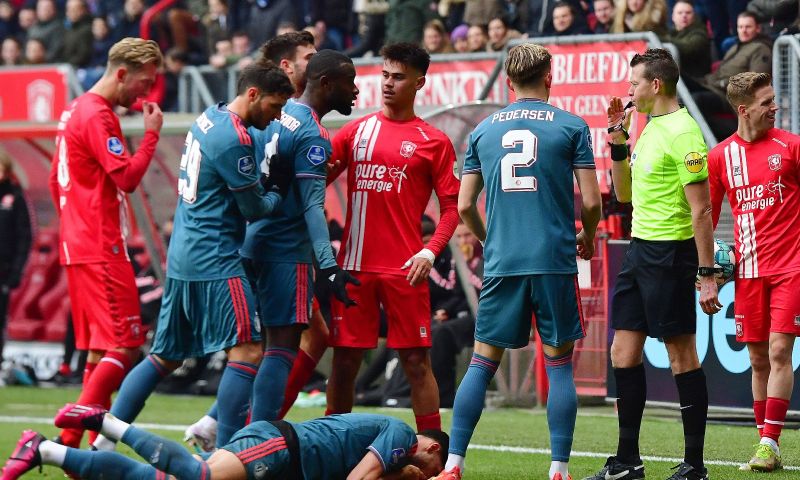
91,173
395,161
758,167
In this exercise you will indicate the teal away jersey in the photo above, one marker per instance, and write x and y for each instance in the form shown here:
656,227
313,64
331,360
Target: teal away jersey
284,236
208,230
527,153
332,446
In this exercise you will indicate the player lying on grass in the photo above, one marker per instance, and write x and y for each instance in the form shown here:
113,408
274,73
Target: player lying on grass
350,446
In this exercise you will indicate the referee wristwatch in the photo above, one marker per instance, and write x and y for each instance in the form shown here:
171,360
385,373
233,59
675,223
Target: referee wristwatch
708,271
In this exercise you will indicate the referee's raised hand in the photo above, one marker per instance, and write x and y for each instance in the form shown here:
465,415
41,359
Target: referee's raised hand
618,116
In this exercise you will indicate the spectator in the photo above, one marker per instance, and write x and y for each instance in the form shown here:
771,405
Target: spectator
453,12
499,34
128,24
319,37
435,38
101,43
331,18
775,16
49,29
174,61
285,27
223,52
241,46
722,16
266,15
540,13
564,20
604,15
751,53
215,24
371,26
472,250
476,38
515,13
690,36
78,37
8,22
477,11
794,28
26,18
11,52
35,52
406,19
641,16
459,38
15,237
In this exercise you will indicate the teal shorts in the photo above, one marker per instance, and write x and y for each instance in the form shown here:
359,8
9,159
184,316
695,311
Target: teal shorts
284,292
198,318
508,305
262,450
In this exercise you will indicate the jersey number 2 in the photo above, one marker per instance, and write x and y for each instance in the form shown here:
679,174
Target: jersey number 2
511,182
190,169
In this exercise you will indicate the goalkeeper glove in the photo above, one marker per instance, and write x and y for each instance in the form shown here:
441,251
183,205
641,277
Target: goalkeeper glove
339,279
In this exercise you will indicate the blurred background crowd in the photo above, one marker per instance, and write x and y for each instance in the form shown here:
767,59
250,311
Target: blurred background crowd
715,38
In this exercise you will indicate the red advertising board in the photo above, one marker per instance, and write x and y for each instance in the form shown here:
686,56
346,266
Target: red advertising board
32,94
585,77
454,82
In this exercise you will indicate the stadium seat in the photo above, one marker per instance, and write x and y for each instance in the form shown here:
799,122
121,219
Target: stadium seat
25,329
56,327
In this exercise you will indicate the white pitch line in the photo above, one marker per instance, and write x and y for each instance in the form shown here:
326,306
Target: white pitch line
49,421
491,448
648,458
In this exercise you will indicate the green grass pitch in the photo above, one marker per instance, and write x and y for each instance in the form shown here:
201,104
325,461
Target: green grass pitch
499,429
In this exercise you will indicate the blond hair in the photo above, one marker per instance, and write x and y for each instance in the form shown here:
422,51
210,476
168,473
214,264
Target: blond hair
134,53
651,18
527,64
742,87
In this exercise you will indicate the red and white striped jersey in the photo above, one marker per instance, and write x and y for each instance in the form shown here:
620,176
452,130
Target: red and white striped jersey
762,181
392,169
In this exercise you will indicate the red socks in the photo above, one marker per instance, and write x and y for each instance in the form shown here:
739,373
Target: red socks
775,415
431,421
100,381
87,372
759,410
301,371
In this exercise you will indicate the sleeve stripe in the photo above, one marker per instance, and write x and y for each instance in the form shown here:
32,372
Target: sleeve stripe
584,167
244,187
309,175
375,451
472,170
244,137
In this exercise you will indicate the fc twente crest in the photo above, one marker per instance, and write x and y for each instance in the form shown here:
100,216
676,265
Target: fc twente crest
407,148
774,162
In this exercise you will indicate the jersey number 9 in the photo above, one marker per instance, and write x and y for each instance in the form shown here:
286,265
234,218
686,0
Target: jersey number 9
190,169
511,182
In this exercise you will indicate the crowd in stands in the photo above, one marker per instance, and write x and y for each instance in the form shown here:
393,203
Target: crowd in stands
224,33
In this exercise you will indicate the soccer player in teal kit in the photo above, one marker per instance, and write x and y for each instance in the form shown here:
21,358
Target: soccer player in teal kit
208,305
352,446
527,155
280,248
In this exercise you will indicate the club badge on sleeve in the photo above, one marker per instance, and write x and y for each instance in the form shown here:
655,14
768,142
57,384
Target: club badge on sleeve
115,146
316,155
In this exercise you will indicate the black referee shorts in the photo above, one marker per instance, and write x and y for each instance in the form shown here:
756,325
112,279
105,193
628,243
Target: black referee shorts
655,290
